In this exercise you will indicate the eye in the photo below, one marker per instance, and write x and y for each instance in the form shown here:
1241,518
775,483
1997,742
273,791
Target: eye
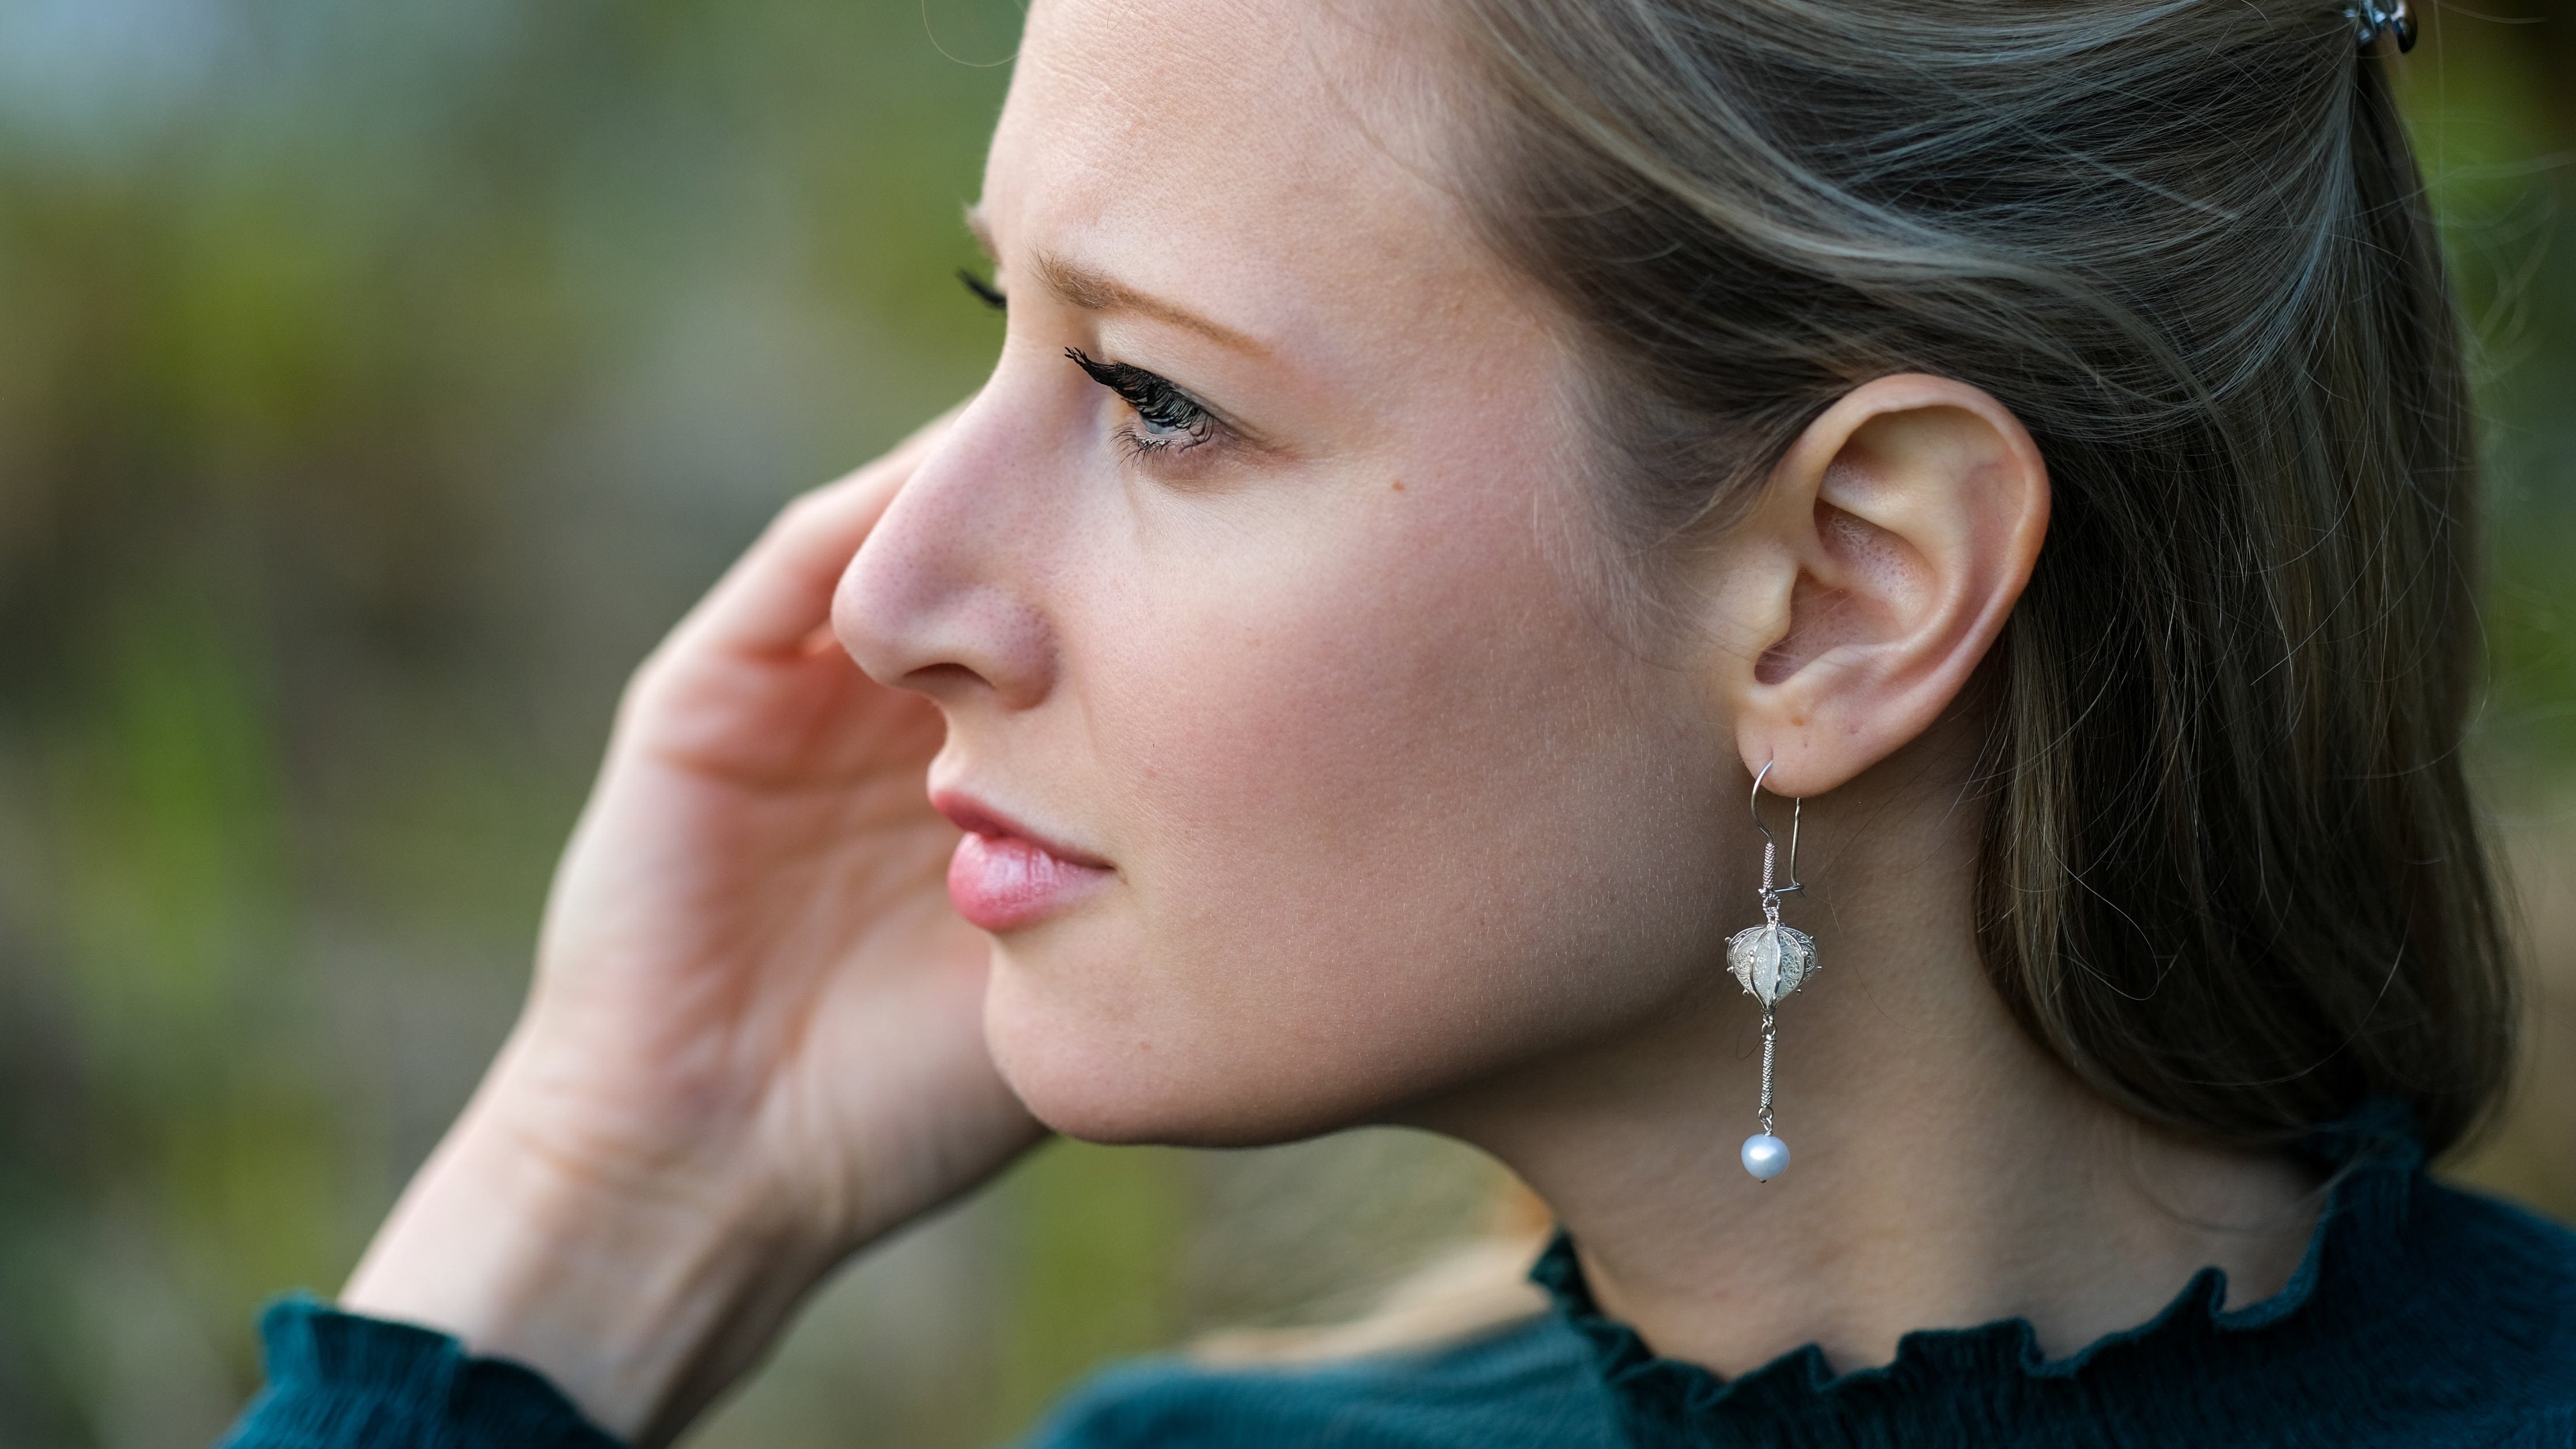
985,292
1167,419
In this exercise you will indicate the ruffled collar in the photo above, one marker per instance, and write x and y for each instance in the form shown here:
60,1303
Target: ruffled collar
2195,1368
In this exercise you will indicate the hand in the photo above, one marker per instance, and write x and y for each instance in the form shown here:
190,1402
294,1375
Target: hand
755,1040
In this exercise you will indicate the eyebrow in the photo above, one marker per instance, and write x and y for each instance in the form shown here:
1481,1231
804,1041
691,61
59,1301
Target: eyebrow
1096,291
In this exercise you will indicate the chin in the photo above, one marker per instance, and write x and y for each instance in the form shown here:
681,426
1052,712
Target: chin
1099,1074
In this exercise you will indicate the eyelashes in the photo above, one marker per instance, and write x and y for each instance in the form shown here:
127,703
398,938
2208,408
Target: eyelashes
1168,419
985,292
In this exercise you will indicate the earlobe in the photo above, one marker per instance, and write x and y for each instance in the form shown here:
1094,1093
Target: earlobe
1895,537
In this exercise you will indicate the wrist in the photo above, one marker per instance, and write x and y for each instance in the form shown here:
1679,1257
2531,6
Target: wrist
640,1299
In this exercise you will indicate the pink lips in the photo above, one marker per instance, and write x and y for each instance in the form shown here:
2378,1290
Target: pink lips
1005,876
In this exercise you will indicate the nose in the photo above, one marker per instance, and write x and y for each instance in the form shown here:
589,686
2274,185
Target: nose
943,596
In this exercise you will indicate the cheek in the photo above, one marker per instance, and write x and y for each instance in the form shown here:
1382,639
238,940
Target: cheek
1386,823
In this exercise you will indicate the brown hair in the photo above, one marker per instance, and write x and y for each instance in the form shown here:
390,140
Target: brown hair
2230,874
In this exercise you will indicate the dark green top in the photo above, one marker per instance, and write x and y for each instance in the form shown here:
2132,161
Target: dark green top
2421,1315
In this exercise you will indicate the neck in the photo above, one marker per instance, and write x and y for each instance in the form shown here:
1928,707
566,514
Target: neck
1946,1171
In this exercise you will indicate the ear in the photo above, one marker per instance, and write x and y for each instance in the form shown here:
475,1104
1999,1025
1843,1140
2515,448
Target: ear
1891,543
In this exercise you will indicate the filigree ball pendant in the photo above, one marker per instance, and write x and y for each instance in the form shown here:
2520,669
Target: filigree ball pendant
1770,961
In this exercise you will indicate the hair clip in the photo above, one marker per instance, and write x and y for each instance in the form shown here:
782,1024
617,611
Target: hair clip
2372,19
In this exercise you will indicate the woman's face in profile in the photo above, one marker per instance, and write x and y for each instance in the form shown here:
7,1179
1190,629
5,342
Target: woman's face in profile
1262,585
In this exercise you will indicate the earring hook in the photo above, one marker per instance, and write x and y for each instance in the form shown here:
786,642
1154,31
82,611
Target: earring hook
1770,843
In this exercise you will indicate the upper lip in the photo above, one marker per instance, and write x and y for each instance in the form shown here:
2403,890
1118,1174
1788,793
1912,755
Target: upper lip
977,818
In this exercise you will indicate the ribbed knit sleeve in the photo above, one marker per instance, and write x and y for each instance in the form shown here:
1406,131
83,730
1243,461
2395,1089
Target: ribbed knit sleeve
339,1381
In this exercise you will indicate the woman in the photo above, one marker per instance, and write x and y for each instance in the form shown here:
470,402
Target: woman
1444,455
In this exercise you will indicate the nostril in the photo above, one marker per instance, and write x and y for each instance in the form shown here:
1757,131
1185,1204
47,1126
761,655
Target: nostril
935,679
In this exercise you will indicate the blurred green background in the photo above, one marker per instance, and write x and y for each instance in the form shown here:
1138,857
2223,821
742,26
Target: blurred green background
377,382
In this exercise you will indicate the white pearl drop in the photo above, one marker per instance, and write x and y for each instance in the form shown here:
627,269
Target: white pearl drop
1765,1156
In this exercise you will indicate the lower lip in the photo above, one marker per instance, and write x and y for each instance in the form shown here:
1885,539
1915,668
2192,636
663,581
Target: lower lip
1001,882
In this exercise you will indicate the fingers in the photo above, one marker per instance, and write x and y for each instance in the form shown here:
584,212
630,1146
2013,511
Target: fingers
778,595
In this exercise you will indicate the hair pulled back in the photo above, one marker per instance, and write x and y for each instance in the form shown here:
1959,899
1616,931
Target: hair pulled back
2230,873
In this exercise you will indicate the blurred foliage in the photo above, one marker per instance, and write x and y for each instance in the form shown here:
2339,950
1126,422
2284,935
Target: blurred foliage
377,381
2496,128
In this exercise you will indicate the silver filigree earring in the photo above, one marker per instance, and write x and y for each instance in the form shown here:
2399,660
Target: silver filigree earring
1770,961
